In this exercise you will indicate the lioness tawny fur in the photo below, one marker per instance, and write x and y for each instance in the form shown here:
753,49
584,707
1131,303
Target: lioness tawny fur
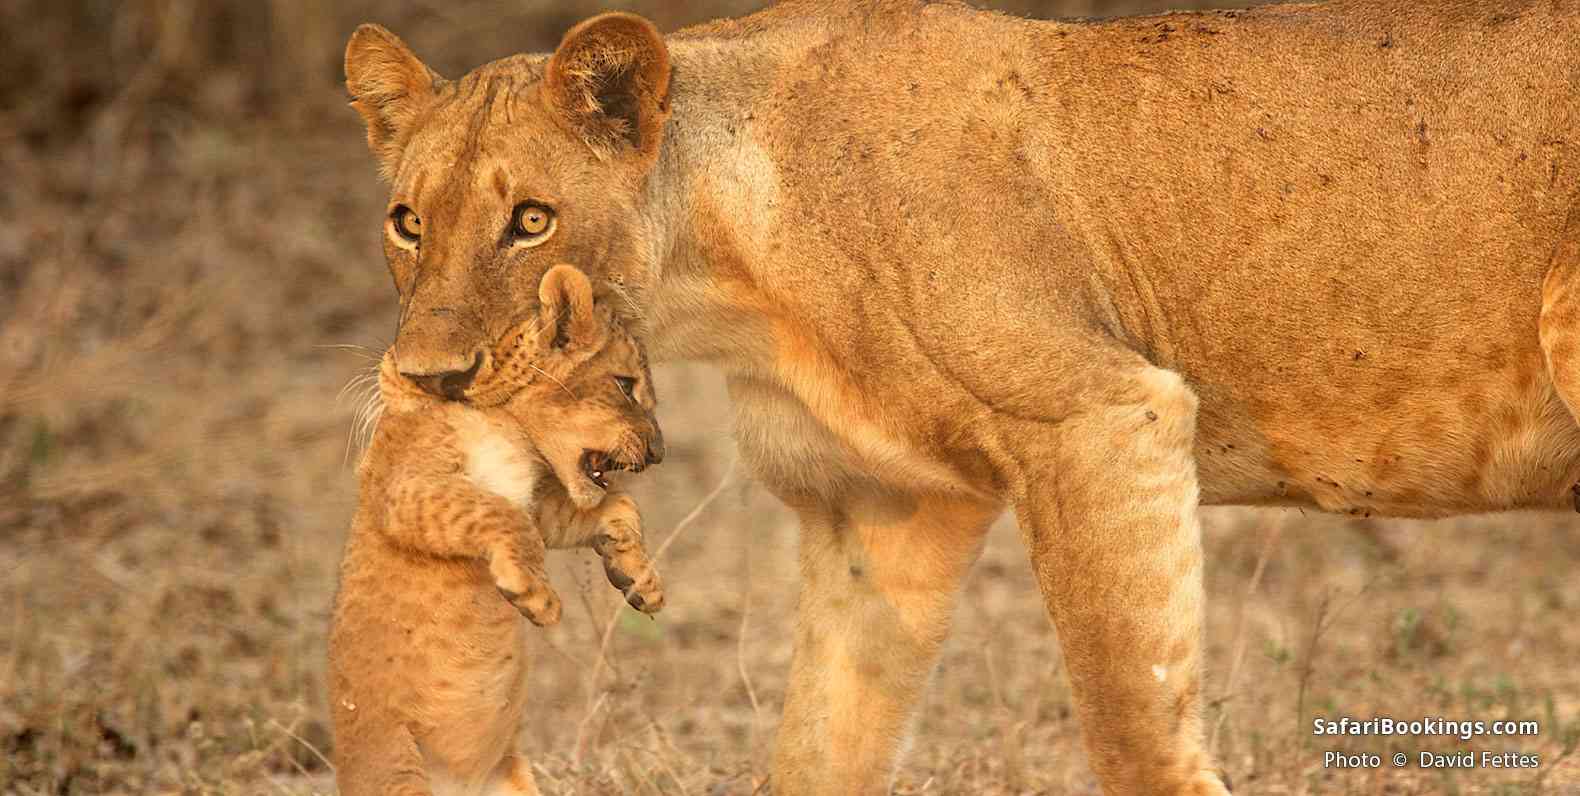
953,263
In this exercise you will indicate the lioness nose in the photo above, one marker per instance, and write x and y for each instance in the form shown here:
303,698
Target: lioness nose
448,384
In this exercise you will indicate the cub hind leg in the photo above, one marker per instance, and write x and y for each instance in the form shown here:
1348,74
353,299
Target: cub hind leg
382,763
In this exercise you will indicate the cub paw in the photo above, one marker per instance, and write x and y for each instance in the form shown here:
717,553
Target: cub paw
527,590
539,604
643,590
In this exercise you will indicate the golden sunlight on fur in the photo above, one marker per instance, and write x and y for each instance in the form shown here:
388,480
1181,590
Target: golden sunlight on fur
458,503
955,263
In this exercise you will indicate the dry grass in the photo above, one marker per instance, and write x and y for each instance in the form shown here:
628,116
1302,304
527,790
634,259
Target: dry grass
189,233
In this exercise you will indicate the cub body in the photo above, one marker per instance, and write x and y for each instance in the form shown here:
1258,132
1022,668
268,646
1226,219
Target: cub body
445,556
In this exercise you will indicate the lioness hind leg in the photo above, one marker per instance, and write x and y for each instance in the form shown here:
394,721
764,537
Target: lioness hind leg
880,574
1559,326
1107,505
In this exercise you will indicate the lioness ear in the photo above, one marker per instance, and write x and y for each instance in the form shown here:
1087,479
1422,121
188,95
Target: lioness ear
609,81
565,310
389,86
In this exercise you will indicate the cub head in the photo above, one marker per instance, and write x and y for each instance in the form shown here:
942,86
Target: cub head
571,379
589,412
522,163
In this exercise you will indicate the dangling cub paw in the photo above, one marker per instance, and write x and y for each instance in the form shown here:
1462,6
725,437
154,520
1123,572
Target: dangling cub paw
528,591
619,543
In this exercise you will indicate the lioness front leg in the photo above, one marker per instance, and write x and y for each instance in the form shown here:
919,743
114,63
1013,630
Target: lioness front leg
880,574
449,516
614,530
1107,501
514,777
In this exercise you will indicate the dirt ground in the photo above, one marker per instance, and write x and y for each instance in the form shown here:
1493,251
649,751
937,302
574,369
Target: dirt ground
190,272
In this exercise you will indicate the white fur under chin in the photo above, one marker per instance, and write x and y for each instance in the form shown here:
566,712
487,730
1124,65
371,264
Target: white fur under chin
498,464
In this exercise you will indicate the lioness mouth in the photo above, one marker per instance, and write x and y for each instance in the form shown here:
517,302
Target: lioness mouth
597,465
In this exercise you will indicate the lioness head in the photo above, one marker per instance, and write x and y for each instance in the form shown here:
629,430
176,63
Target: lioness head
522,163
571,379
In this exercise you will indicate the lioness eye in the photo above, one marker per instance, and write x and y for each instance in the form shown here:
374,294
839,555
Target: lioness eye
406,223
531,223
627,385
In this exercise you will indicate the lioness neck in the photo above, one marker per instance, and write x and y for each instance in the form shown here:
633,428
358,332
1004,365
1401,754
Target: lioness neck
711,197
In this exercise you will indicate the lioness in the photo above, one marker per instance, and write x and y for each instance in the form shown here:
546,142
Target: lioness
954,261
458,501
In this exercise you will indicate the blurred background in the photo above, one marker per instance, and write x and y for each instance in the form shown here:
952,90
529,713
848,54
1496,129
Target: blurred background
190,271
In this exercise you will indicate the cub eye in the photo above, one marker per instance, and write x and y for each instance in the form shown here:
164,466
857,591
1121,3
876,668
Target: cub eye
531,224
627,385
406,224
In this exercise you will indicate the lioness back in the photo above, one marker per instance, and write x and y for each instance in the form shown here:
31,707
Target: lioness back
1332,220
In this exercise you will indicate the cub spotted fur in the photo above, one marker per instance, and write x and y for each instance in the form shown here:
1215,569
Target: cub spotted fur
458,502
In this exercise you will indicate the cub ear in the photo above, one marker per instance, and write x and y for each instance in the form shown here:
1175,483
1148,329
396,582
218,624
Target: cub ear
609,82
388,85
565,310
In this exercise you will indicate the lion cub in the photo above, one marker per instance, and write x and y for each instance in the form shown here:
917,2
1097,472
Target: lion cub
445,556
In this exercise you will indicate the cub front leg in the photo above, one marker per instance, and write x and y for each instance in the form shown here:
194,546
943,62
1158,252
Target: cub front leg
450,516
614,530
1107,502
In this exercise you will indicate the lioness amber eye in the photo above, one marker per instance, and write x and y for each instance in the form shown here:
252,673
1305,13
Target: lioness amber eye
627,385
530,222
406,223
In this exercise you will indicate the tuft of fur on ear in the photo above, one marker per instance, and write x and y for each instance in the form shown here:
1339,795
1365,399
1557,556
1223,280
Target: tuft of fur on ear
609,82
567,320
389,86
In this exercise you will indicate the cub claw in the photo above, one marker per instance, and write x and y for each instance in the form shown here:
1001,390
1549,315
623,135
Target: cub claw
647,598
617,578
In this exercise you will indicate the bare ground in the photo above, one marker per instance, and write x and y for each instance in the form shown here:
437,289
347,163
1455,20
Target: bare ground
190,272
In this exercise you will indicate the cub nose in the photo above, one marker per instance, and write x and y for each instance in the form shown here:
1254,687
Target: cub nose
655,448
448,384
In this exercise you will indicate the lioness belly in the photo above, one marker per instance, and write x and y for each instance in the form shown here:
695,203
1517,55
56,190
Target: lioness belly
1446,436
